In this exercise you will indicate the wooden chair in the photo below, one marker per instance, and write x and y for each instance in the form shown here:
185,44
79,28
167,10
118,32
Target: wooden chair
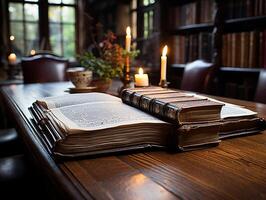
42,68
197,76
260,95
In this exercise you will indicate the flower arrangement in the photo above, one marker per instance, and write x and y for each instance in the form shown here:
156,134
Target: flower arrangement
109,59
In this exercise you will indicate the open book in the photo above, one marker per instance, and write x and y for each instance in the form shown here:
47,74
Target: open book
96,123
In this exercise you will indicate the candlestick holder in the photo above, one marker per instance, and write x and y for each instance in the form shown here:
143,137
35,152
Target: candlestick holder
127,78
163,83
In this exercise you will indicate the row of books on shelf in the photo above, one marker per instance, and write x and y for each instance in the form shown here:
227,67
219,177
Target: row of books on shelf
244,8
97,123
187,48
245,49
188,14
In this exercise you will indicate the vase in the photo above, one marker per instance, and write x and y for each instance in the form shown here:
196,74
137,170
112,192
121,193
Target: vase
102,85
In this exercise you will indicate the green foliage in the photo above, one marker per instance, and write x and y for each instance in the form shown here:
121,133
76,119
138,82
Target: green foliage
111,58
100,67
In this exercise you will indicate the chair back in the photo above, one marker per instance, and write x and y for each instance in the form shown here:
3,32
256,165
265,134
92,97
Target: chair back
43,68
260,95
197,76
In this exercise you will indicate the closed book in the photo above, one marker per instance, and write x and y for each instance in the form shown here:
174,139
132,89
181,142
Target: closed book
246,49
234,50
238,50
230,47
179,112
252,50
239,127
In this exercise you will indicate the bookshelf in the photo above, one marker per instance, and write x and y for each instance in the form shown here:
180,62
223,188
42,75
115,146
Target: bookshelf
230,34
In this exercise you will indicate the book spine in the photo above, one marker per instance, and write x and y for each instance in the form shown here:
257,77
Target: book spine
144,103
246,49
135,99
171,112
157,107
126,95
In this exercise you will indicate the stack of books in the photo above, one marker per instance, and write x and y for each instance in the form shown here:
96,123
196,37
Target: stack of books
191,13
245,8
191,47
95,123
245,49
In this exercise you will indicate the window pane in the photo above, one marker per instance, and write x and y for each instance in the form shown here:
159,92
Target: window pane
145,2
18,42
32,31
133,4
55,38
54,13
151,21
32,0
31,12
134,24
31,45
68,14
54,1
69,40
15,11
68,1
146,25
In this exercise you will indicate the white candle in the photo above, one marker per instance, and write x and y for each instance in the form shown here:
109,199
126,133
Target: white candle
141,80
12,58
164,63
128,39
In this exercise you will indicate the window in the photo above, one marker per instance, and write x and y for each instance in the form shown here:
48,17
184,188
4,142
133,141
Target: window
25,21
133,10
148,17
62,26
144,9
24,28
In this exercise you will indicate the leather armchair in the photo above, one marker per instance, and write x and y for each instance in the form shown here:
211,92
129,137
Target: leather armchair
197,76
42,68
260,95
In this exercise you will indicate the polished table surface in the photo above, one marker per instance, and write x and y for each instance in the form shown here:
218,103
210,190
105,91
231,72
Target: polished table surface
236,169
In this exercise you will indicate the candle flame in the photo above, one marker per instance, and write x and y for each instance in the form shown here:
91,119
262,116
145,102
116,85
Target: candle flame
165,50
32,52
140,71
128,31
12,37
12,55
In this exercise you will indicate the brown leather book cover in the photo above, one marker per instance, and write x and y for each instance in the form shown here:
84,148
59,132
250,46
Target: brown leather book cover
252,50
244,49
179,112
230,47
234,49
225,51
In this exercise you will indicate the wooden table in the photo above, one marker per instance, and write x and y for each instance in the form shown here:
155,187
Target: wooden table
236,169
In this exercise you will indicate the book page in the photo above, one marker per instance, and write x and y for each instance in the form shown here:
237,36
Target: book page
73,99
231,110
99,115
